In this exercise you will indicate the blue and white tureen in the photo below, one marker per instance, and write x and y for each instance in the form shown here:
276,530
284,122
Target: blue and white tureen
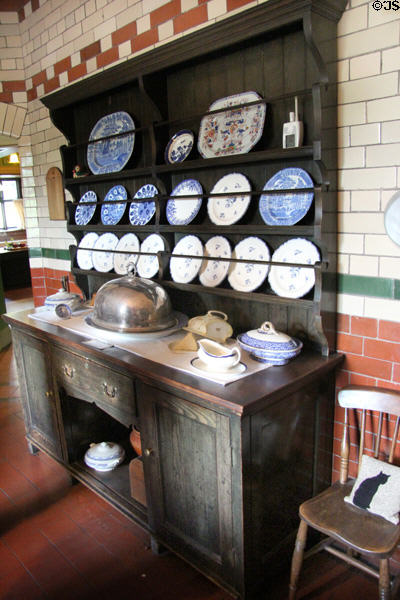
268,345
104,456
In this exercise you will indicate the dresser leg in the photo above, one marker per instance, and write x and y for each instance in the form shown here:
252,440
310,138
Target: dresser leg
32,449
156,547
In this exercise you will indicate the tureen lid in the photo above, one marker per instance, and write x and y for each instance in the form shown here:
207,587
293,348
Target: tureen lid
267,337
105,451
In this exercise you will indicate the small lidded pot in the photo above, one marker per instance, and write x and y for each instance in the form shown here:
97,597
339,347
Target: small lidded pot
104,456
268,345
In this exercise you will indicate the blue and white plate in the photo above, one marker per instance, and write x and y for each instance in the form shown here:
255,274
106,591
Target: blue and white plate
141,213
84,252
214,271
286,208
103,260
226,210
128,243
248,276
111,155
182,210
111,214
148,263
293,282
179,146
83,212
184,269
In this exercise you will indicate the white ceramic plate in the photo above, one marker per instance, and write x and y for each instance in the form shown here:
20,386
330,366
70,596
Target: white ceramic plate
392,218
148,265
293,282
84,252
111,155
226,210
128,243
213,272
184,270
197,363
246,277
103,261
182,210
232,131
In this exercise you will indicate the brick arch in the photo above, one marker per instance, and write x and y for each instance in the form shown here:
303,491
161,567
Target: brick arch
12,118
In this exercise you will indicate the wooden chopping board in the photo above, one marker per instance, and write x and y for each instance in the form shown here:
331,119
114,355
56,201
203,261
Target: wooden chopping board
55,194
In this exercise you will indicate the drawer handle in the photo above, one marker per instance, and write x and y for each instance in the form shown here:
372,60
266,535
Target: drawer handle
49,394
148,452
68,371
110,392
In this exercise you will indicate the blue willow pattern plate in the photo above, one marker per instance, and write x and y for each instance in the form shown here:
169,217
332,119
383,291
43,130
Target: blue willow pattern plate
179,146
286,208
234,130
111,155
84,213
183,210
141,213
111,214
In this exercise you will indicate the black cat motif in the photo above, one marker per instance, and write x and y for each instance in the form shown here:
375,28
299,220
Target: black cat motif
367,489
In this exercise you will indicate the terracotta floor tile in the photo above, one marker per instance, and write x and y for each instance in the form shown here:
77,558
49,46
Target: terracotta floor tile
15,581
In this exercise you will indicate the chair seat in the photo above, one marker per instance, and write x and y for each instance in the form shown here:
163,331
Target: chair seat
365,532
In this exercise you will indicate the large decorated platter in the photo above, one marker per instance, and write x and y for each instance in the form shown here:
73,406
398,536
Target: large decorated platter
111,154
226,210
286,208
182,268
293,282
214,271
234,130
128,243
141,213
181,208
84,212
248,276
111,214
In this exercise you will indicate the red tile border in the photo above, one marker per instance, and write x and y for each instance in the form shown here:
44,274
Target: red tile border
124,34
191,18
90,51
13,86
165,13
107,57
364,326
143,40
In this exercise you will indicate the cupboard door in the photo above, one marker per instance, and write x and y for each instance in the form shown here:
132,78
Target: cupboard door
188,471
40,399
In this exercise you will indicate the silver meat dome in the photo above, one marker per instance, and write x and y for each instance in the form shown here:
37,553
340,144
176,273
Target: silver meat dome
131,304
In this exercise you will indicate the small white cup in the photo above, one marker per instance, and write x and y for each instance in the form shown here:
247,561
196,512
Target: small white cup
216,356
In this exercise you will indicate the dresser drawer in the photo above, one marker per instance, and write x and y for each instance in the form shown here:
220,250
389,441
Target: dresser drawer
88,380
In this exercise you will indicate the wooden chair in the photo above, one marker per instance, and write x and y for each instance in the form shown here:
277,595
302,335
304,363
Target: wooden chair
354,534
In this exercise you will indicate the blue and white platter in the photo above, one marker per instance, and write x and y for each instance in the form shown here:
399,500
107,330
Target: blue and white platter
286,208
111,214
111,155
148,263
84,253
247,276
213,272
103,259
234,130
181,208
128,243
293,282
184,269
84,213
140,213
226,210
179,146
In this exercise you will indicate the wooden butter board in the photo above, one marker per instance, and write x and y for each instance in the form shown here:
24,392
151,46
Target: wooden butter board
55,194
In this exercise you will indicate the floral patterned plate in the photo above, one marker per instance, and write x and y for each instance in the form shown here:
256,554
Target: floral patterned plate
246,277
182,210
84,252
225,210
213,272
293,282
140,213
182,269
103,260
234,130
148,264
129,242
84,212
111,214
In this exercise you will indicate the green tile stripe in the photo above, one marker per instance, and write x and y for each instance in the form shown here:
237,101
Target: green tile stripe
360,285
377,287
49,253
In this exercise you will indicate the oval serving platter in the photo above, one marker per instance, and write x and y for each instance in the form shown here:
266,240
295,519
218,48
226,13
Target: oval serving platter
111,155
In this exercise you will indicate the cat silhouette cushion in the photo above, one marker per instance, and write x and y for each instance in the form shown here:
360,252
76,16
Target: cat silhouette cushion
377,489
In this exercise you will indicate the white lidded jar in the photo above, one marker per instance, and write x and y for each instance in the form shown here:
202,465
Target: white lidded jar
104,456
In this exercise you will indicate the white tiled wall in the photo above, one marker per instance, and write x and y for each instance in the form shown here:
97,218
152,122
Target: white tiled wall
368,116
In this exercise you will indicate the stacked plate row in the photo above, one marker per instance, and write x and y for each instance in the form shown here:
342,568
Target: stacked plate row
212,262
228,202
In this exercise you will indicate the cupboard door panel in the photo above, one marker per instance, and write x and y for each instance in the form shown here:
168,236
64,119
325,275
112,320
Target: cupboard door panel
41,402
188,469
